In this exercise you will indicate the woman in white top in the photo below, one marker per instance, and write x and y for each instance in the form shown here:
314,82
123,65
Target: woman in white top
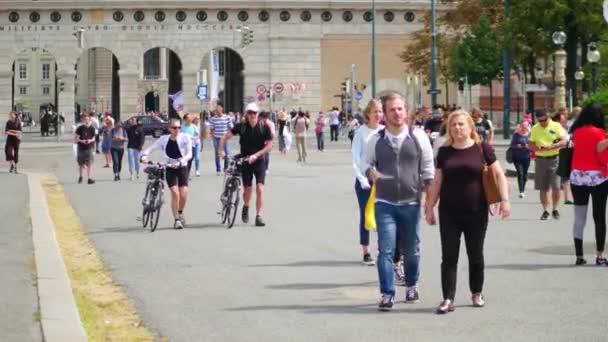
372,115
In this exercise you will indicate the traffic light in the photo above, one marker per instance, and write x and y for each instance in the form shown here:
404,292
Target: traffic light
344,87
267,94
461,84
61,85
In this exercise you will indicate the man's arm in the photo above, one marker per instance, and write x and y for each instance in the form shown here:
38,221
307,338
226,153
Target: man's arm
369,165
427,163
220,149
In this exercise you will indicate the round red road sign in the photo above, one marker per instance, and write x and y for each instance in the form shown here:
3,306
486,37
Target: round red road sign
278,87
260,89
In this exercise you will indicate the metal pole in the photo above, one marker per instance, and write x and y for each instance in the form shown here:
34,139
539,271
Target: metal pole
506,66
373,48
433,55
353,87
594,77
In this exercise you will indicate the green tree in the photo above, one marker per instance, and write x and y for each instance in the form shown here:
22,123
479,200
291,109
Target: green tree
478,56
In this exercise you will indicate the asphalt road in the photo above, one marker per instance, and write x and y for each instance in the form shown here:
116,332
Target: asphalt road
300,279
19,302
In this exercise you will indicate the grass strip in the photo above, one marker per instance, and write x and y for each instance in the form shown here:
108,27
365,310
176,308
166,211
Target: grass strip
105,311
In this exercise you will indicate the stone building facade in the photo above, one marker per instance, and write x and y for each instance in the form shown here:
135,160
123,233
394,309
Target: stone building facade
302,49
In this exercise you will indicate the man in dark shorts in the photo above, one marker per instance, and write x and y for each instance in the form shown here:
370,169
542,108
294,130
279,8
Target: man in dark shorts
255,141
177,149
85,139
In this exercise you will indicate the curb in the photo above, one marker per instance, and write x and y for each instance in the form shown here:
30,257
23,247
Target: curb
59,316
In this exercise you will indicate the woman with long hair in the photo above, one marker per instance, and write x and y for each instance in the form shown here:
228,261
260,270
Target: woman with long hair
520,146
463,209
372,115
588,178
117,138
13,139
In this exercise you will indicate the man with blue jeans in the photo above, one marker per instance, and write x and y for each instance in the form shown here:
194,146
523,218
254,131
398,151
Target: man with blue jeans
400,163
219,124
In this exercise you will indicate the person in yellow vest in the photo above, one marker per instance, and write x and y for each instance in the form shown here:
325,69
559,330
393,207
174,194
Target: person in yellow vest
546,139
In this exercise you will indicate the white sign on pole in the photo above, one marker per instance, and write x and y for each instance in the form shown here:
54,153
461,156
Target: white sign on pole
534,87
606,10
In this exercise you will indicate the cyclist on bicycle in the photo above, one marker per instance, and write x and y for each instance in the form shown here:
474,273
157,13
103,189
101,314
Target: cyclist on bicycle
256,142
177,148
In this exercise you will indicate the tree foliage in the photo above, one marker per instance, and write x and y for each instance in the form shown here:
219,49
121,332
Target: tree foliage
478,55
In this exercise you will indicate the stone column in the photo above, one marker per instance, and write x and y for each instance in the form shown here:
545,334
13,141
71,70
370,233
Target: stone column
560,79
5,95
191,103
128,92
66,97
163,63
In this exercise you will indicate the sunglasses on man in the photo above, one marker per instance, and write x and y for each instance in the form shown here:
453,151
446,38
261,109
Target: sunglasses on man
175,127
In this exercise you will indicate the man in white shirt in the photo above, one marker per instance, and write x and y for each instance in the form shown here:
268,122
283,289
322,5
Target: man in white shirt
334,124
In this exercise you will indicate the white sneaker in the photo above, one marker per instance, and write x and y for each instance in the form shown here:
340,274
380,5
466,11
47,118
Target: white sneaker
132,178
178,224
198,174
521,195
182,219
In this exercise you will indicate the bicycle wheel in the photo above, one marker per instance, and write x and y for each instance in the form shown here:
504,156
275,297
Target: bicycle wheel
158,202
226,206
235,199
145,216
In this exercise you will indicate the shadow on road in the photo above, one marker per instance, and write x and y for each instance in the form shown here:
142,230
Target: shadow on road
365,309
319,286
111,230
529,267
319,263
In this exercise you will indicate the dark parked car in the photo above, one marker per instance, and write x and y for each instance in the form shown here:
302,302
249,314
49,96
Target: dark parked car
152,125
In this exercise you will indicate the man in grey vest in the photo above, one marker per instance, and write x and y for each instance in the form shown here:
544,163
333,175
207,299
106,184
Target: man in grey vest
400,164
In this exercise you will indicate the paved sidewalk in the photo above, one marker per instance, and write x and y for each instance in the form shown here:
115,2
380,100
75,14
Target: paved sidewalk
19,300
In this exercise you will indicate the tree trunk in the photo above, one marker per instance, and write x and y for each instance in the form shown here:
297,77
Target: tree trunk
447,93
491,103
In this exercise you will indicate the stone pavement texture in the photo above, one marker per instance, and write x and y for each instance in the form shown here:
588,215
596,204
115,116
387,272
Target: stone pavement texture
300,279
19,302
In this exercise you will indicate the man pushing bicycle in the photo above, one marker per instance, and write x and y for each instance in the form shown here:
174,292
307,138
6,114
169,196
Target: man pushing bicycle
177,148
256,142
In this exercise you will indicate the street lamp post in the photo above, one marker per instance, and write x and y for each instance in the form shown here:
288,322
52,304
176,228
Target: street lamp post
579,76
373,48
559,39
433,55
594,57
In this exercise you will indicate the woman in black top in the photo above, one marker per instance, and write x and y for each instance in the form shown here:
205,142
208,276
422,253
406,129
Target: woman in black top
13,138
463,208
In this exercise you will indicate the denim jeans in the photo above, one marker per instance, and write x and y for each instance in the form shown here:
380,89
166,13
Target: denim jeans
196,155
117,154
216,144
133,156
391,219
320,142
521,168
362,197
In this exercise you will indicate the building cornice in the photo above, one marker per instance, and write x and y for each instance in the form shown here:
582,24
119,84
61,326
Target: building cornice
6,5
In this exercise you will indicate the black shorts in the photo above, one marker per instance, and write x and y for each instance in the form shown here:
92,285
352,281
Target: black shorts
257,169
177,177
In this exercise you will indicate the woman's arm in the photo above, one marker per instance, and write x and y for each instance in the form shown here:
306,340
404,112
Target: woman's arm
432,197
602,145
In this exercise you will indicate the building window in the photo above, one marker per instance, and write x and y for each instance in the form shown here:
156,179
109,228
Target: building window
22,90
55,16
389,16
326,16
409,17
46,90
13,17
180,16
139,16
201,16
23,71
76,16
46,71
284,15
305,15
368,16
75,89
159,16
222,16
243,15
347,16
34,17
264,16
118,16
221,57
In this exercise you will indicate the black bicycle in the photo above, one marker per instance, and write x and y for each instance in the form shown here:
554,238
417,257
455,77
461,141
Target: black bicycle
153,198
230,196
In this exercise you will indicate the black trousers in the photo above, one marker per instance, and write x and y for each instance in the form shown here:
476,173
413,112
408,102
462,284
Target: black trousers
333,132
451,227
117,154
521,167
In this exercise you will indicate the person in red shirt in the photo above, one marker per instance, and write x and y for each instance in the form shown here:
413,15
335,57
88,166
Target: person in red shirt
588,177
